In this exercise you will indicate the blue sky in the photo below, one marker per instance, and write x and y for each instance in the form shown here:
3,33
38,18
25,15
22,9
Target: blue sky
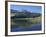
35,9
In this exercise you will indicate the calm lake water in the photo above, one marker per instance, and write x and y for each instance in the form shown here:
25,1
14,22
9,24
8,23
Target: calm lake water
34,27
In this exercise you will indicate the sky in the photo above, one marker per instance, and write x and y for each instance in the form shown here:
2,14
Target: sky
35,9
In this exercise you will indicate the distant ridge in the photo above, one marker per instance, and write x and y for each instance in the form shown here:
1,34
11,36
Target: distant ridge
24,14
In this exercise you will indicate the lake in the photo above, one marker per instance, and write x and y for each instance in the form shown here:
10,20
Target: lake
35,27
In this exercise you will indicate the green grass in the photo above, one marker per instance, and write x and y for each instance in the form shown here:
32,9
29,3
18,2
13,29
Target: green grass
33,20
30,19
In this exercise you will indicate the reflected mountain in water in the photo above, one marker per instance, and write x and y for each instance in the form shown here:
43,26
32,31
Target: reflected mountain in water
24,18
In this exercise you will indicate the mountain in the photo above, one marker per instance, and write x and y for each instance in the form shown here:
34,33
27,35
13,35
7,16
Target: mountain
24,14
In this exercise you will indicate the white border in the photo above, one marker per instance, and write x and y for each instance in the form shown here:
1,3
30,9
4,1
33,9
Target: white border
25,32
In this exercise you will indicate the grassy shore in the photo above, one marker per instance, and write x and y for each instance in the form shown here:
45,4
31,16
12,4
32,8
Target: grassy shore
29,21
36,19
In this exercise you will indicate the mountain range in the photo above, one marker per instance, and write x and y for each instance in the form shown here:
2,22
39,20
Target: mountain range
24,14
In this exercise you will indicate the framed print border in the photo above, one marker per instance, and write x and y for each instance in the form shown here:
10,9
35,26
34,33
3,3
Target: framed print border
6,18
